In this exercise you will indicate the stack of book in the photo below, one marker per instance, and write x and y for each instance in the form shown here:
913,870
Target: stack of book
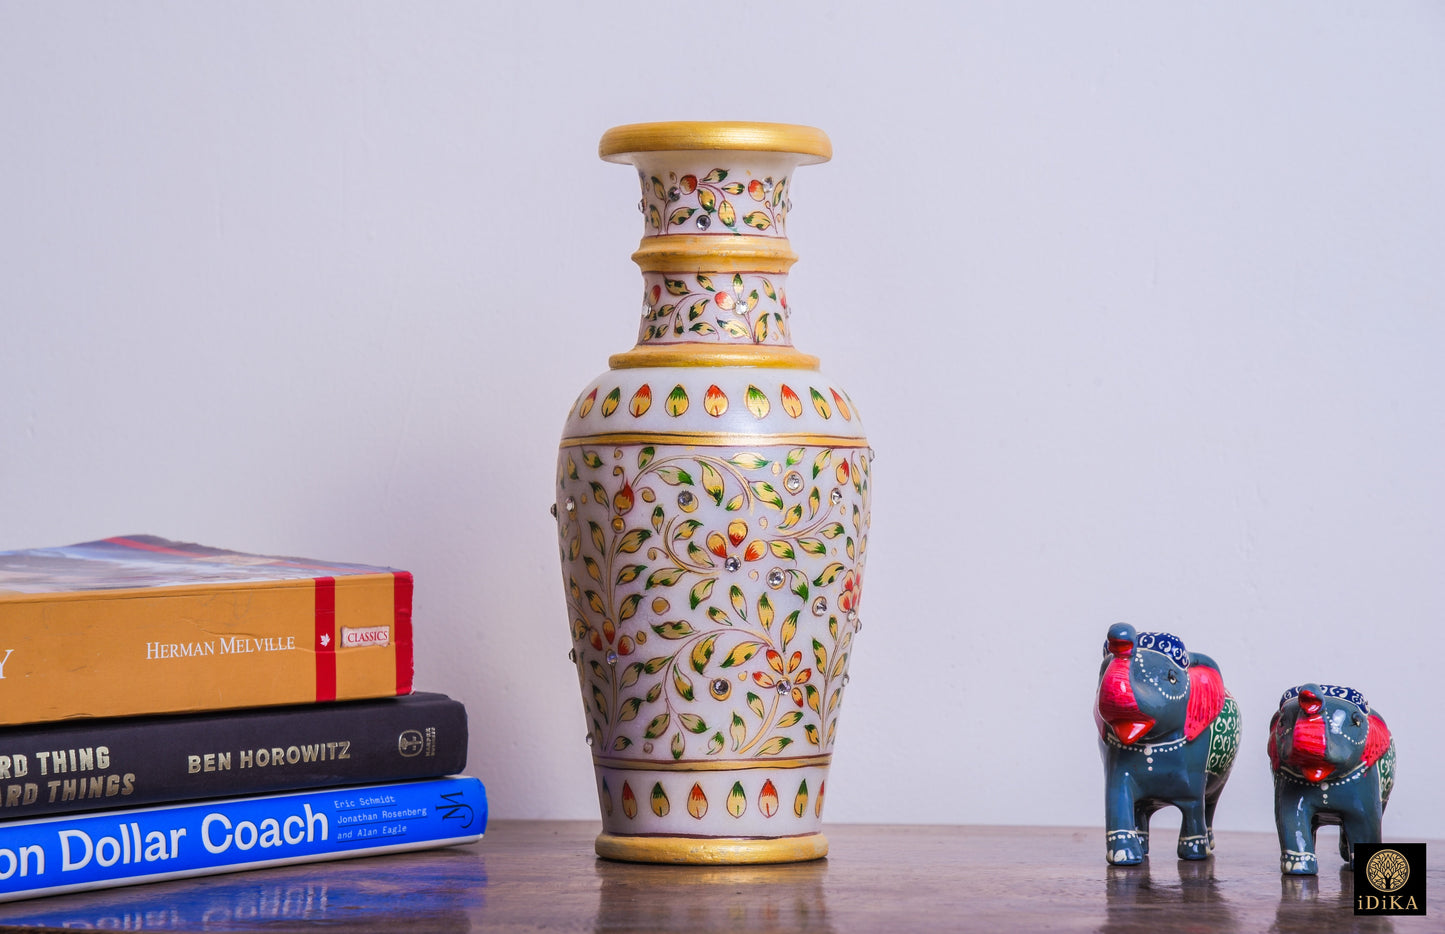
171,710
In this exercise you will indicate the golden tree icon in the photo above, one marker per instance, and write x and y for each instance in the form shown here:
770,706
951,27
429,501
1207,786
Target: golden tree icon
1387,870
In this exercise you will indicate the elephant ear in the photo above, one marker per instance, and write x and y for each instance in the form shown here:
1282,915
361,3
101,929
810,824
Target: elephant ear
1206,699
1377,742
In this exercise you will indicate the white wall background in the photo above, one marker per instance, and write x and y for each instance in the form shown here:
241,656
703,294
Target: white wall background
1142,304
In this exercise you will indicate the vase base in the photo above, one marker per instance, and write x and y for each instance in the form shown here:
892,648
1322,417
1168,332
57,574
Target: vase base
711,851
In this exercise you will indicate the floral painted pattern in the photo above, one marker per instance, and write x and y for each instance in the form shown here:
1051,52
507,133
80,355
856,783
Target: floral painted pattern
713,595
724,308
601,408
722,201
701,793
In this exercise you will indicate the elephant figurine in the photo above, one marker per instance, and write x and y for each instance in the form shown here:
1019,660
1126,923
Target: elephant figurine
1168,733
1334,763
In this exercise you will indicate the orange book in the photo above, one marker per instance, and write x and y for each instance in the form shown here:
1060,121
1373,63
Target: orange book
143,625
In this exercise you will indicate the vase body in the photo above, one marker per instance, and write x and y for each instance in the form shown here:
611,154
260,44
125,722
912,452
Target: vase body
712,516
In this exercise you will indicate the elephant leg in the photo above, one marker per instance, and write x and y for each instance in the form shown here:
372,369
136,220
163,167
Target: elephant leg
1142,813
1193,831
1210,802
1121,839
1358,827
1294,821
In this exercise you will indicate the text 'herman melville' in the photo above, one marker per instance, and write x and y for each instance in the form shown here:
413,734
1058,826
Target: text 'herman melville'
225,645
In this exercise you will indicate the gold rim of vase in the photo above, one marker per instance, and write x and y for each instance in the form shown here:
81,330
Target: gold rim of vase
711,851
810,144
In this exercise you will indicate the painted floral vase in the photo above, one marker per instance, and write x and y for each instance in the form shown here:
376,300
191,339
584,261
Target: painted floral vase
712,516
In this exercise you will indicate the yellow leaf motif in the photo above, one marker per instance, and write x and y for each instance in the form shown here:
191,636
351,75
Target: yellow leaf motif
727,214
715,402
677,401
587,404
609,405
820,404
739,733
702,652
757,402
737,801
800,801
658,801
712,483
741,653
790,627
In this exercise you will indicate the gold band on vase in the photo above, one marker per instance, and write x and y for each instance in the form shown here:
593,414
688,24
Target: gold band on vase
715,851
688,254
700,354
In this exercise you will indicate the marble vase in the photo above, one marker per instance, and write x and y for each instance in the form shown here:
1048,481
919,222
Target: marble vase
712,518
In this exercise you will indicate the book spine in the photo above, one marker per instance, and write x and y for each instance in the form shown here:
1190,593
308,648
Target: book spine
204,647
113,848
93,764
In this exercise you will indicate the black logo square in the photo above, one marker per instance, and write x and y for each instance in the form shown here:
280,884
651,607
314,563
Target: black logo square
1389,878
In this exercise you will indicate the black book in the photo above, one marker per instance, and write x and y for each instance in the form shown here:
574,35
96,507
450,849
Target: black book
85,765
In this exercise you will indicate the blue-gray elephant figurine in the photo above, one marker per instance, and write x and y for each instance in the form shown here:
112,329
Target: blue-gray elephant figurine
1334,763
1168,733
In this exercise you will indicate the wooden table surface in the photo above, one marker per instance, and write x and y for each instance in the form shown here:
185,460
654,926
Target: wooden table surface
543,876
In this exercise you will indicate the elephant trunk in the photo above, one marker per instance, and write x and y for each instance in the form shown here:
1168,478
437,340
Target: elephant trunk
1308,748
1117,706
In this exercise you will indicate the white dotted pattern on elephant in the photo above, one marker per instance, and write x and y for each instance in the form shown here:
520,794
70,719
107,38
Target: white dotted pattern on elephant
713,594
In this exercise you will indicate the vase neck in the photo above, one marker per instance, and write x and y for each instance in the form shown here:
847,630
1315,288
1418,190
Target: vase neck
715,254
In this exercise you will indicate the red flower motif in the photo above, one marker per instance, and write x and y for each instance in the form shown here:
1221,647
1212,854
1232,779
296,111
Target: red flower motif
722,546
852,591
789,679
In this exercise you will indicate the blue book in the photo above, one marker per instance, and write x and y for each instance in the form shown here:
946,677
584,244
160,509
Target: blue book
49,856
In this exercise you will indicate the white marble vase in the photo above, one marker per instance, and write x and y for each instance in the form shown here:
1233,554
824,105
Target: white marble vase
712,518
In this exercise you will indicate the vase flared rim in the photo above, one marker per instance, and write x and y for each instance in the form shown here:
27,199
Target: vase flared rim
809,144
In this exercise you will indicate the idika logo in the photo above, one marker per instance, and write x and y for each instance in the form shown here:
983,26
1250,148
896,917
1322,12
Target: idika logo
1389,878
